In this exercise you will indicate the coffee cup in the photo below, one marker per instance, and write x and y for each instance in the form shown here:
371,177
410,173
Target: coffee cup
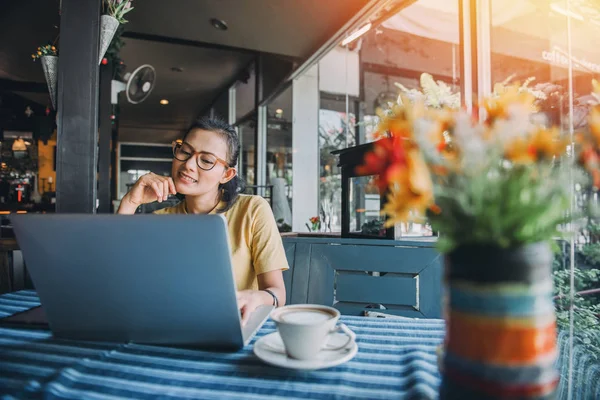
305,329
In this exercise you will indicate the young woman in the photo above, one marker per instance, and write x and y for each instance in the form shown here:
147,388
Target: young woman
204,172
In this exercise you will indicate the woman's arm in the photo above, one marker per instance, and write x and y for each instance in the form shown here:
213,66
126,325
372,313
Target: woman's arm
148,188
273,281
268,260
249,300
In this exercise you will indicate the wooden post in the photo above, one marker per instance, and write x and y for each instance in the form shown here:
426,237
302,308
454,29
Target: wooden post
76,156
104,145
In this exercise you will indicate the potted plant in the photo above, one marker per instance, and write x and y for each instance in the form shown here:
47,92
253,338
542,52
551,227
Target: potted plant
497,192
48,56
113,14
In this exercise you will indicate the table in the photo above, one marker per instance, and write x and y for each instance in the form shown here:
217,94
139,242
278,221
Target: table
7,246
396,359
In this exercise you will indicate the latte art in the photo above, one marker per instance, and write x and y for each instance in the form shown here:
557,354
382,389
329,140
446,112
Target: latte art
305,316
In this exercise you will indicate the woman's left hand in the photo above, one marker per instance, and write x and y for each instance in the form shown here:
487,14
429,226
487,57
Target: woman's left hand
249,300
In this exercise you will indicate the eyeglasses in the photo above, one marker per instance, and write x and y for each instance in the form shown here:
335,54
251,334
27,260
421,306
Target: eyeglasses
206,161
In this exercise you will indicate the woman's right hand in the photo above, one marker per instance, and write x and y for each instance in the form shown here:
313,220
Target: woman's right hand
148,188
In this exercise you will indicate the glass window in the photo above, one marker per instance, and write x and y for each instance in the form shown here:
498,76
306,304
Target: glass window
280,154
412,48
247,160
558,61
336,132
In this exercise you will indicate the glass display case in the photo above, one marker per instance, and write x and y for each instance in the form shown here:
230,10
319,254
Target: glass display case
362,202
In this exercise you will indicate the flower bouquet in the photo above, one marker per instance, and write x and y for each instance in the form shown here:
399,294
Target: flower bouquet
497,191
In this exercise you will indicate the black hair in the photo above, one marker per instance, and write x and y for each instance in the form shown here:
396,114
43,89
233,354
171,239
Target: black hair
235,186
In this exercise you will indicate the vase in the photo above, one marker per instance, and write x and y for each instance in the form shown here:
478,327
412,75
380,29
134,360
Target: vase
50,67
501,326
36,197
108,27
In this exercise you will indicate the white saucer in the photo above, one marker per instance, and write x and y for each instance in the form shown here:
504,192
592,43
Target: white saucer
270,349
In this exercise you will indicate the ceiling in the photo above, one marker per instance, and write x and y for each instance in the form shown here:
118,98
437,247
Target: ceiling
179,34
205,73
294,28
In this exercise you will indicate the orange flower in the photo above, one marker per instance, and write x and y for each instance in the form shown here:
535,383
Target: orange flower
543,144
594,123
590,160
434,208
411,193
387,160
547,143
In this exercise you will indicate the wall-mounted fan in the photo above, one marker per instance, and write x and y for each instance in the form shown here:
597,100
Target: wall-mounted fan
137,85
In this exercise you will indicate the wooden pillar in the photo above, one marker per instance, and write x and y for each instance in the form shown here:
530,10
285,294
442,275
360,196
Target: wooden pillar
113,161
76,156
104,144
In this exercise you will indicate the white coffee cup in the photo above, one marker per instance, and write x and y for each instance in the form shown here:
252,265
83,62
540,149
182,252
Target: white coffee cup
305,329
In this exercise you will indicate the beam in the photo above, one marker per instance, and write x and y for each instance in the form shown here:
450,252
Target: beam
403,72
185,42
76,156
9,85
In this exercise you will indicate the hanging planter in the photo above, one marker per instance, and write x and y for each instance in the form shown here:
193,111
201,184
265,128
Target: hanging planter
109,23
50,67
108,27
48,56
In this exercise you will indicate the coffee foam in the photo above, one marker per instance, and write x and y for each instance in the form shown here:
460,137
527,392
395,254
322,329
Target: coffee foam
305,316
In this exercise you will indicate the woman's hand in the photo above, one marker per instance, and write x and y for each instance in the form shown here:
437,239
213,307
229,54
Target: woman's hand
250,300
148,188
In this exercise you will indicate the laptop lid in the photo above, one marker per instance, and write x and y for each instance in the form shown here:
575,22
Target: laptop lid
142,278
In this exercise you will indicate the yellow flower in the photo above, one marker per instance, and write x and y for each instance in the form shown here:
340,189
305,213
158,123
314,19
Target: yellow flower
594,123
39,53
411,192
510,96
547,143
543,144
53,48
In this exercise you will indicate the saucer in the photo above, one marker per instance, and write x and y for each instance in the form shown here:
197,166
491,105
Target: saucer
270,349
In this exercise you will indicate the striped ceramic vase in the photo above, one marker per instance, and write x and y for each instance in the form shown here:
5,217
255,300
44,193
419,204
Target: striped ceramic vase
501,327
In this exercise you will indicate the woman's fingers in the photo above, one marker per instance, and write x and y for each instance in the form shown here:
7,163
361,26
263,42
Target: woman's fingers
157,189
165,189
172,186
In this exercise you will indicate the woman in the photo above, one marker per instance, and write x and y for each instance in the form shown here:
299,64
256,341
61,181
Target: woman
204,172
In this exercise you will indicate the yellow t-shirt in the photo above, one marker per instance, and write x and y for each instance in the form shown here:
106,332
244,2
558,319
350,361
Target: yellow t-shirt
255,241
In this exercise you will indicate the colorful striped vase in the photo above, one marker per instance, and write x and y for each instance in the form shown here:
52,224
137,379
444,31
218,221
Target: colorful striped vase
501,327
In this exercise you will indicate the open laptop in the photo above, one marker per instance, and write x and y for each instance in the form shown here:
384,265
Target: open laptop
144,278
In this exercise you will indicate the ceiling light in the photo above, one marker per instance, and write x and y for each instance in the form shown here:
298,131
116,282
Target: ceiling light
218,24
164,102
567,13
356,34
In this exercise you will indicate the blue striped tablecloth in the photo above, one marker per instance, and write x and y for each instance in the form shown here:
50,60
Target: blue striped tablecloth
396,359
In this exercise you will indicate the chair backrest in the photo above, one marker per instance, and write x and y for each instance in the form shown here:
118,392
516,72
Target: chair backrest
354,275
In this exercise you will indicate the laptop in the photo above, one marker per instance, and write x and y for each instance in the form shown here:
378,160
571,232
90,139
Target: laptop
164,280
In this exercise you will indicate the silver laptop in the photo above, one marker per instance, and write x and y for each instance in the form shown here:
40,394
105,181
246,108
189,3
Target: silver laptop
144,278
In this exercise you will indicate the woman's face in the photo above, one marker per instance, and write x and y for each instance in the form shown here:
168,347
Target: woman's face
192,180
